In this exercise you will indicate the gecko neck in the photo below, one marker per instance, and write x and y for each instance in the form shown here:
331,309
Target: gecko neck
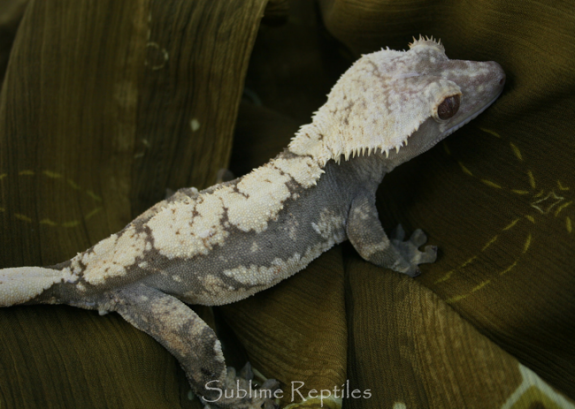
324,142
309,141
361,173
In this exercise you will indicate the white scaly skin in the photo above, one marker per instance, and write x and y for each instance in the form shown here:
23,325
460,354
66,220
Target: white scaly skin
234,239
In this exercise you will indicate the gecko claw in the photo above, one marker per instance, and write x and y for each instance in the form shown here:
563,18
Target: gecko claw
246,372
398,233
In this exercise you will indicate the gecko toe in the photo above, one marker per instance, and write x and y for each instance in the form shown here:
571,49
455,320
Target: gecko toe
418,238
246,372
398,233
429,254
416,272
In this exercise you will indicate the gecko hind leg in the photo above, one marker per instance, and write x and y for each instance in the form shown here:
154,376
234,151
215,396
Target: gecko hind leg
194,344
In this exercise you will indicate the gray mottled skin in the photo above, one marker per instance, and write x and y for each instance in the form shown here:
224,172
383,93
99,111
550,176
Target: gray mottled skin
232,240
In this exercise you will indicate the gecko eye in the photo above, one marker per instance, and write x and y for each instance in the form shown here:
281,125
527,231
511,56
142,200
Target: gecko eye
448,107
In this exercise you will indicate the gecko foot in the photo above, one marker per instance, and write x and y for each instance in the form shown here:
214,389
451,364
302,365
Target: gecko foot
239,392
409,249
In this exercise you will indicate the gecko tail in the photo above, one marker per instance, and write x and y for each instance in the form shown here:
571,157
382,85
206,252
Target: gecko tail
22,284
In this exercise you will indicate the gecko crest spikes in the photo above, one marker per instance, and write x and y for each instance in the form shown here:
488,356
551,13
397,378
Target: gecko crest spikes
427,41
229,241
386,96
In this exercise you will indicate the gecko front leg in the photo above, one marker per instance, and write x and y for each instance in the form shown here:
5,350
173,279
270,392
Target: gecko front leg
194,344
369,239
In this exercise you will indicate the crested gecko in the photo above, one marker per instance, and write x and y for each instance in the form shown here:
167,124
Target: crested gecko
227,242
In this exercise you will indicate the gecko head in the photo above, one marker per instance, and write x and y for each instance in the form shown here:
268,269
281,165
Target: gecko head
399,103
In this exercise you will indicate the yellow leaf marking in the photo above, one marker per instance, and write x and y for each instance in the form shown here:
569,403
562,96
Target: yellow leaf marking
464,169
456,298
94,195
568,224
22,217
480,286
520,192
508,269
516,151
530,218
74,185
527,244
489,243
561,187
491,184
93,212
483,284
490,132
51,174
531,179
448,275
48,222
563,206
510,225
446,148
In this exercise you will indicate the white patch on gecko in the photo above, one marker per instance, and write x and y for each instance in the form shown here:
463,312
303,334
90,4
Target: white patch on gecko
110,257
213,284
219,355
261,277
177,233
255,275
302,169
75,266
292,227
212,292
21,284
259,198
329,225
370,249
250,206
255,278
361,213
